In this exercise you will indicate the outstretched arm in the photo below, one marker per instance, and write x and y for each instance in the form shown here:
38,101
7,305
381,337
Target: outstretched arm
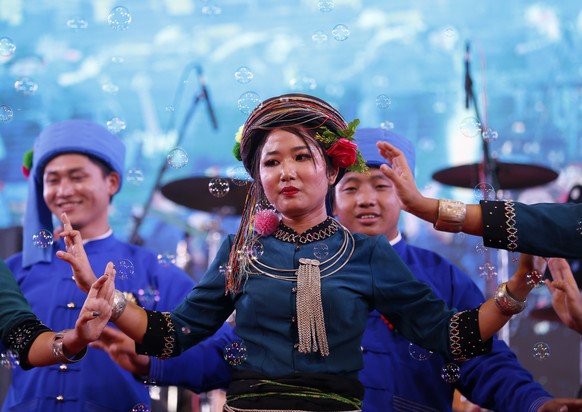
544,229
413,201
492,316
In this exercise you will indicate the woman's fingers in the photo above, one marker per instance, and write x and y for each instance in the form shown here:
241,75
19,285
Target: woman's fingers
96,287
109,287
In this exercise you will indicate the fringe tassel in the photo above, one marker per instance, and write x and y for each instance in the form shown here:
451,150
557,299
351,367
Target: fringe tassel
236,260
310,321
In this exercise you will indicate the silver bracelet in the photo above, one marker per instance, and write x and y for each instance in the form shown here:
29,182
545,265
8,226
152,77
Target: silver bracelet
58,351
119,304
506,303
451,216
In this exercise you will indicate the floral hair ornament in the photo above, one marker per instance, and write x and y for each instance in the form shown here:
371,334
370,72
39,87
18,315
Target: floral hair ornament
27,163
340,147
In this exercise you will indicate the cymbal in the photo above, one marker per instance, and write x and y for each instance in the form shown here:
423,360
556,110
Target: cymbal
193,192
509,175
547,313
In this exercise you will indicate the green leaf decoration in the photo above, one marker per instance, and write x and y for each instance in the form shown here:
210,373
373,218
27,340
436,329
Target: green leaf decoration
236,151
27,159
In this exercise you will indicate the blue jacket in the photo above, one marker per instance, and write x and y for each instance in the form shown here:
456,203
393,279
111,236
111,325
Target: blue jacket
96,383
395,381
369,276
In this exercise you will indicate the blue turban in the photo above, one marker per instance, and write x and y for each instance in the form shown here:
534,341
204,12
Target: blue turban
366,139
69,136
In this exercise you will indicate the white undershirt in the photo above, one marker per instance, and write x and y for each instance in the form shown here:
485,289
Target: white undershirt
103,236
397,239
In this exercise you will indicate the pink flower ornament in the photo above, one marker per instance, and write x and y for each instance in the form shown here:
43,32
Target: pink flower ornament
266,221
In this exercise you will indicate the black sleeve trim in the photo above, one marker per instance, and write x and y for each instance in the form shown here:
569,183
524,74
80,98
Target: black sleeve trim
22,336
160,337
465,337
499,229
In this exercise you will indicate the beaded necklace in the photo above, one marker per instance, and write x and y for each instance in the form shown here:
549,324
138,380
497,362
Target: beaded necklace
324,230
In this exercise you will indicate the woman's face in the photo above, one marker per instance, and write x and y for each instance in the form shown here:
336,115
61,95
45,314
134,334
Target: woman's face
295,179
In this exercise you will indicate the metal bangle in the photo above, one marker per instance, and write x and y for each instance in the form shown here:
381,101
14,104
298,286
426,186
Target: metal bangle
119,304
59,353
508,305
451,216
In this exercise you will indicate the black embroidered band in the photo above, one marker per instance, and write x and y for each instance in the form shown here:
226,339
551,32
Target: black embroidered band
21,337
510,225
499,224
160,325
465,337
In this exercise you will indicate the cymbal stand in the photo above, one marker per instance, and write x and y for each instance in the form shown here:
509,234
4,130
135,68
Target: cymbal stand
201,95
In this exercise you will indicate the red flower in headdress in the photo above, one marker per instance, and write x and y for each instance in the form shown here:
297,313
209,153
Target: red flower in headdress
343,153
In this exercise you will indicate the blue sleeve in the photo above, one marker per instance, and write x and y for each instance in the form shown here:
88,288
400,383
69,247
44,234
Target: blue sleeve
201,368
550,229
207,306
495,381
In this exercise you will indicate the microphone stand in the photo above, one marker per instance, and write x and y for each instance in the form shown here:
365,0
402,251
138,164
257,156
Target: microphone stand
487,174
488,169
201,95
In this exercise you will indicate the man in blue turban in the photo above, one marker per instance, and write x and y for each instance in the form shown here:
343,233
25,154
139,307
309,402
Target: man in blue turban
77,167
398,375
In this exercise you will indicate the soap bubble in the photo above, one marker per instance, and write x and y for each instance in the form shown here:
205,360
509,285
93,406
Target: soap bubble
119,18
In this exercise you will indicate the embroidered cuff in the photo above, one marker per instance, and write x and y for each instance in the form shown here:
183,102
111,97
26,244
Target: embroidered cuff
21,337
160,337
499,229
464,336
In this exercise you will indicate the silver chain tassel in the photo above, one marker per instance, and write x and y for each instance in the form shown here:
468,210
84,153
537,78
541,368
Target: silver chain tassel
310,321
